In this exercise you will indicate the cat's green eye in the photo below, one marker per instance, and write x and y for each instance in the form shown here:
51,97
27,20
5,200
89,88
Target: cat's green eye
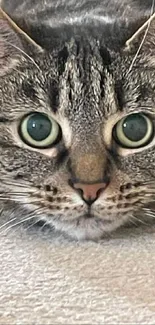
133,131
39,130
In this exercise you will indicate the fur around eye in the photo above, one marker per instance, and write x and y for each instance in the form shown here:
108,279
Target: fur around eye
133,131
39,130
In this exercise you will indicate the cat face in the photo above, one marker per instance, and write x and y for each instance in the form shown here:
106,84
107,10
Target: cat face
77,130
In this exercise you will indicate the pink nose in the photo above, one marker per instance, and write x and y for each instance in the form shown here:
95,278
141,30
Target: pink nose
90,192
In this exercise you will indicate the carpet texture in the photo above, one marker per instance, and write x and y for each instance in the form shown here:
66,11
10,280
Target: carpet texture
47,279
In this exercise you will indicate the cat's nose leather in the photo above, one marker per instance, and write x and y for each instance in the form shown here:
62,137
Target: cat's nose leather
90,192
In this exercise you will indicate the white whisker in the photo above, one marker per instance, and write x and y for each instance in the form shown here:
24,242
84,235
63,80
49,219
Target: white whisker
150,215
33,214
139,220
18,223
11,182
33,224
14,194
7,223
24,53
148,23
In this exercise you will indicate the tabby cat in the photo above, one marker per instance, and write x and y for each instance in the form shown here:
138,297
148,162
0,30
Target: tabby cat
77,113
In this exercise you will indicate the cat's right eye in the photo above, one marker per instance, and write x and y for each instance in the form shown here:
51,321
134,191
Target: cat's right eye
39,130
134,131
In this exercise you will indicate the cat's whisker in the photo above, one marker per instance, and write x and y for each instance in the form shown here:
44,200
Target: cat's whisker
133,222
34,214
149,210
44,225
18,199
144,37
8,222
19,185
18,223
18,194
33,224
10,181
24,53
139,220
150,215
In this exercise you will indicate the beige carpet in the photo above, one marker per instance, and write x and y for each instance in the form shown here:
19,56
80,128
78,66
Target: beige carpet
46,279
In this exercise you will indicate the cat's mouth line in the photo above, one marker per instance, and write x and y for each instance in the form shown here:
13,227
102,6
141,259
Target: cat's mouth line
93,216
88,215
105,221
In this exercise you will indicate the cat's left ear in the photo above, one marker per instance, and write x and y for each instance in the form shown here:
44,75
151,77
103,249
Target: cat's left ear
144,37
14,43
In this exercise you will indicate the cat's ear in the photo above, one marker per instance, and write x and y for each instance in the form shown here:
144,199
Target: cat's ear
144,37
13,43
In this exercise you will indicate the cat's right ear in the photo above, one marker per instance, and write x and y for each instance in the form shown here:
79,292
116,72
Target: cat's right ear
12,44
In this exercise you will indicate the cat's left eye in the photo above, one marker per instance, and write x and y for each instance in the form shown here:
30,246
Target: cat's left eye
134,131
39,130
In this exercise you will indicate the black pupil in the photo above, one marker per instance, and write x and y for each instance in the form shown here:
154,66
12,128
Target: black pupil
39,127
135,127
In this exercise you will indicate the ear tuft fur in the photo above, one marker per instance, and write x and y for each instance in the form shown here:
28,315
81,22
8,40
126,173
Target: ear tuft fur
12,43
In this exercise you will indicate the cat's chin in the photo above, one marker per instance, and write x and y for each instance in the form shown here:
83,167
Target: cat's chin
87,228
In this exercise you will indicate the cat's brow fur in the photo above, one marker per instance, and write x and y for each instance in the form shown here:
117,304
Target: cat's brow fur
82,80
